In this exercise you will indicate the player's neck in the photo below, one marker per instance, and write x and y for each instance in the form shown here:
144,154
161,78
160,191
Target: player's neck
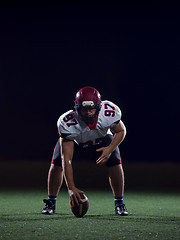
93,125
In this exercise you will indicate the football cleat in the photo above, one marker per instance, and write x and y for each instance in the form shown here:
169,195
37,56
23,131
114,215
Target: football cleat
121,210
49,207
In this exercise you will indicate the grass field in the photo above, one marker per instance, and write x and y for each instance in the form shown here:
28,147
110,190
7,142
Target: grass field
152,216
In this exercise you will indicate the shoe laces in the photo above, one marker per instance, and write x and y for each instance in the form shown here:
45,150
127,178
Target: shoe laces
48,203
122,207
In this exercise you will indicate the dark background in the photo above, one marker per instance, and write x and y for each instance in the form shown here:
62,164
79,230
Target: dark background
129,52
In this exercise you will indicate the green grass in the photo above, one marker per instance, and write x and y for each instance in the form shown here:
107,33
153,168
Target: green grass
152,216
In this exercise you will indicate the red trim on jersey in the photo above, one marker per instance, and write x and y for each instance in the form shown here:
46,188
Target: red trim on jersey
92,126
53,155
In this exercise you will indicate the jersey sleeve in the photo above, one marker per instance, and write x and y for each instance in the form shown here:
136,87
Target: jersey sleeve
110,114
65,125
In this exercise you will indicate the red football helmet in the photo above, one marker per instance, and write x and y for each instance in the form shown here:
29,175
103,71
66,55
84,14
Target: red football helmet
88,97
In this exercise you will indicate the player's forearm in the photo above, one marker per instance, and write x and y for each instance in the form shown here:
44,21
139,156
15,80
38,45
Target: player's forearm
67,149
119,135
118,138
68,174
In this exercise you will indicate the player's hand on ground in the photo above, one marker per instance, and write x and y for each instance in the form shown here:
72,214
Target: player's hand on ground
104,156
75,197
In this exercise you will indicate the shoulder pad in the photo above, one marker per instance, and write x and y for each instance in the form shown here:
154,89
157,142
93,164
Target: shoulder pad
110,114
66,124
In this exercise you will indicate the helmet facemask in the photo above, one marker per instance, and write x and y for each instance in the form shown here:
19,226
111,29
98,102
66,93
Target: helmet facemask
87,118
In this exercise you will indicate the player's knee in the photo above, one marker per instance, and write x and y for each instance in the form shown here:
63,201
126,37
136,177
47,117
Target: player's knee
55,168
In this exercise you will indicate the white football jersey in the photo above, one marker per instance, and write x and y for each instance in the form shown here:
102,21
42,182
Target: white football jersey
72,127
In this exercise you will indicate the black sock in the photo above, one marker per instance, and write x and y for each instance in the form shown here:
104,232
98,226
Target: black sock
118,201
53,199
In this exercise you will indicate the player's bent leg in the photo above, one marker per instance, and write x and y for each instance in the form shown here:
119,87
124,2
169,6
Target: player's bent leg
116,180
55,179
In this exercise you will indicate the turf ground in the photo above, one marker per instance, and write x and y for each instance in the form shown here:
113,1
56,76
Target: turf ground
152,216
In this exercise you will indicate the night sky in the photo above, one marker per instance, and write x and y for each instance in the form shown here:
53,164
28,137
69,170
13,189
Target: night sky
129,52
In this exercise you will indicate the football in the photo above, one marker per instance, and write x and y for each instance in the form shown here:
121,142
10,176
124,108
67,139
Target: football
81,210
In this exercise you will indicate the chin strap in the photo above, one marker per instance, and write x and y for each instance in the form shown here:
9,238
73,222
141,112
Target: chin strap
93,125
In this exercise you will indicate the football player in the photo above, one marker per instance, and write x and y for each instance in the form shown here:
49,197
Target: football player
95,125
